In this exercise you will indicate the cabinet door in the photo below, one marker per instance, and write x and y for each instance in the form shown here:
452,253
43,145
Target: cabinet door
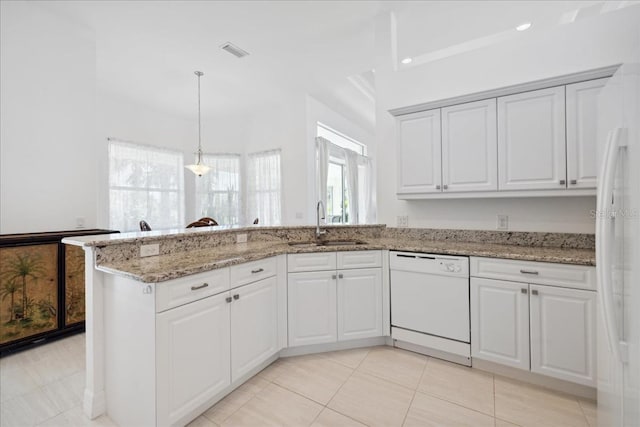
500,322
192,357
419,151
470,147
359,303
312,308
531,140
582,131
254,325
563,333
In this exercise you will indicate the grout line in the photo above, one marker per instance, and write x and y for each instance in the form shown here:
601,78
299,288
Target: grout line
424,369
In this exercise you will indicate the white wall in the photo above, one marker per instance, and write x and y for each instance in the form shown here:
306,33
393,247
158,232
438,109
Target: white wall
47,114
595,42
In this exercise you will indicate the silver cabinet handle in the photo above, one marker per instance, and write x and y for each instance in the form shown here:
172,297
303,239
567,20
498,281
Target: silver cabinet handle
340,276
563,182
236,297
437,187
333,276
535,273
228,299
524,290
260,270
444,187
573,182
195,288
534,292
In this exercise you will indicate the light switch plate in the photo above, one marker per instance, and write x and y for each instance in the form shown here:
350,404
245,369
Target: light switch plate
241,238
403,221
502,222
149,250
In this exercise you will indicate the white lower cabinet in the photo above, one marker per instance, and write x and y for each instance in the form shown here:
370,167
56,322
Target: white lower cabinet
312,308
500,322
548,330
192,356
254,325
359,303
335,305
563,333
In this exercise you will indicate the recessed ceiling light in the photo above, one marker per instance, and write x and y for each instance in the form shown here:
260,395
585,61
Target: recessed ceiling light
406,61
524,26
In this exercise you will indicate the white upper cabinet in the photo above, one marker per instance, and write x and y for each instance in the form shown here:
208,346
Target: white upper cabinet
469,147
419,153
582,114
531,140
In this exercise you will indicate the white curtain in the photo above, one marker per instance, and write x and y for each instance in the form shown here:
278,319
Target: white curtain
366,191
264,199
351,180
145,183
322,164
218,192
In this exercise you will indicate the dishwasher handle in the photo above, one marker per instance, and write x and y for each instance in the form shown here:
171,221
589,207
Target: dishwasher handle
415,256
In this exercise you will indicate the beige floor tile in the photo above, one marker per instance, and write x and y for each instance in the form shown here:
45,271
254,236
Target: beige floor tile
329,418
67,392
590,410
428,411
503,423
75,417
15,381
398,366
349,358
372,400
202,421
318,379
222,410
27,410
274,370
459,384
275,406
528,405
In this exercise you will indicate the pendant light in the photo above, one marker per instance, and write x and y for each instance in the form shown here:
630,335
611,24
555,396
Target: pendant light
199,168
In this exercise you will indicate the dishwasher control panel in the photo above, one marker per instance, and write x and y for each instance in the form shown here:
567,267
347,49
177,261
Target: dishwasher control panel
429,263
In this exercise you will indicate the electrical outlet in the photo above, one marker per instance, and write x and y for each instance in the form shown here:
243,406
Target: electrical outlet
502,222
80,222
241,238
149,250
299,215
403,221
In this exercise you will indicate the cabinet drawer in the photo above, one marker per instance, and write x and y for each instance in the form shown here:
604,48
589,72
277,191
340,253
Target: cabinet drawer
359,259
317,261
174,293
544,273
252,271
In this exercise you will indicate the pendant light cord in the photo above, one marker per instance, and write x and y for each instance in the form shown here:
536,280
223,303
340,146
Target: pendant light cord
199,74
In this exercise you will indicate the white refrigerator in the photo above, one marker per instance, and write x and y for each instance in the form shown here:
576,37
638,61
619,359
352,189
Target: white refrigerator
618,249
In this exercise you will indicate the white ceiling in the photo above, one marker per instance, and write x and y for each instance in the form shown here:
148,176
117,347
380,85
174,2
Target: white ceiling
147,50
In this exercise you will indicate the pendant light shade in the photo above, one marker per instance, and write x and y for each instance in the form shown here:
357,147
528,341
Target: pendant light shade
199,168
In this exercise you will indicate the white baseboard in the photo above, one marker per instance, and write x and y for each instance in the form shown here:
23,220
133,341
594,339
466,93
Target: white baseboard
334,346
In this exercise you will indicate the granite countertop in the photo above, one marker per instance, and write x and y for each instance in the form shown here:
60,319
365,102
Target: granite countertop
178,264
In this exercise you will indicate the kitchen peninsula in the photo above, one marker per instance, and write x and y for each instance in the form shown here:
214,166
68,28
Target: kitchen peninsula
241,286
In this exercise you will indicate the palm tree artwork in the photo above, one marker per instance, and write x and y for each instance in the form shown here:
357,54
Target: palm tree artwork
28,283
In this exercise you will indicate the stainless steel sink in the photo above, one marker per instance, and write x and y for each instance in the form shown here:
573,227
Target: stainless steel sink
327,243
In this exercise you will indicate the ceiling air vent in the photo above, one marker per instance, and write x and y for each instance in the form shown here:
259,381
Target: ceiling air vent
234,50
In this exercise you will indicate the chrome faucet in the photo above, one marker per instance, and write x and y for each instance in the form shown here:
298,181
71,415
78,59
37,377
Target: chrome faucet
319,232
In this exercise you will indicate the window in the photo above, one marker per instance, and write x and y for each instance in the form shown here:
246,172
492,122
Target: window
344,177
218,192
341,140
145,183
264,187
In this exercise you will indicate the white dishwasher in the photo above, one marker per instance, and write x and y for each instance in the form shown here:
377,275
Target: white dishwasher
430,304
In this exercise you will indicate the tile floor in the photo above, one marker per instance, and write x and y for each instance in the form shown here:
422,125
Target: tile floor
379,386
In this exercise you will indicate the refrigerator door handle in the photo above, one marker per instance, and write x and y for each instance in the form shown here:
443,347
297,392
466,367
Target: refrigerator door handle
604,237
